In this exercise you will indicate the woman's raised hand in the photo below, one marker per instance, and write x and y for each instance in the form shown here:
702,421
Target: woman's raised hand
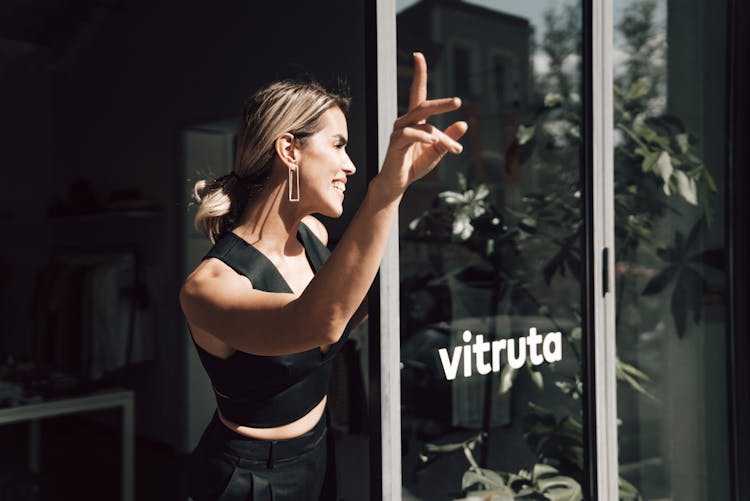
416,147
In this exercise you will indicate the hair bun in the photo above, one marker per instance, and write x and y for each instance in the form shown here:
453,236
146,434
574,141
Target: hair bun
200,190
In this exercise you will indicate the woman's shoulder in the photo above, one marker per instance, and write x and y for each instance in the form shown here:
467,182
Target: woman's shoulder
208,274
317,227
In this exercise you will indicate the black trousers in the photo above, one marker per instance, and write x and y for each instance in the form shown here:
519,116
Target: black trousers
229,466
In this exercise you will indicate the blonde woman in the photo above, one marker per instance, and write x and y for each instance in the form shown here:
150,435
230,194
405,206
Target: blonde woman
269,306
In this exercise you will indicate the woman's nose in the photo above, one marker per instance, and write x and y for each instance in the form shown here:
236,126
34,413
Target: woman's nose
349,167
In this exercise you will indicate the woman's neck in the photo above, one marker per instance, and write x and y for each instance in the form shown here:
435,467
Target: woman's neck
271,222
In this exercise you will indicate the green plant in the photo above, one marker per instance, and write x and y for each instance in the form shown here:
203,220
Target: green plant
542,482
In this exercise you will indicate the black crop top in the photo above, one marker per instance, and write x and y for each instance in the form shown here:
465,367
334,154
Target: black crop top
266,391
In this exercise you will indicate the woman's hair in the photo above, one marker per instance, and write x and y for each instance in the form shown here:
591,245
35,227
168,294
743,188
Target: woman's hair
282,107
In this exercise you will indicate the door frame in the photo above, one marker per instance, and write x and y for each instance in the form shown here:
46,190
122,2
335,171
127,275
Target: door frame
384,314
737,232
598,314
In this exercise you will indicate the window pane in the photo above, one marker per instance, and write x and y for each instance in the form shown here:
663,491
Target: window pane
670,105
490,250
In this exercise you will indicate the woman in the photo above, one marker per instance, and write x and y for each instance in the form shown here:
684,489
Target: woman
266,315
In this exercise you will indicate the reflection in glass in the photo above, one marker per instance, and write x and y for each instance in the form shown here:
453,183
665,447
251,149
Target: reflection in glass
671,329
491,257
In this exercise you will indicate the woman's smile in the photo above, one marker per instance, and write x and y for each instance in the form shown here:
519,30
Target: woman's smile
323,155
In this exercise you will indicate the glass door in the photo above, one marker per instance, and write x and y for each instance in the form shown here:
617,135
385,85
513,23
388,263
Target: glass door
562,285
491,254
670,115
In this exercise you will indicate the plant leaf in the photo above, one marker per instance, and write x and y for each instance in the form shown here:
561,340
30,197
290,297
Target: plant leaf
686,187
683,142
633,376
487,496
542,470
462,181
561,488
628,492
664,169
696,232
555,264
706,174
637,386
576,333
639,88
525,133
486,478
678,307
452,197
462,227
632,370
649,161
552,99
536,377
548,481
443,448
657,283
715,258
507,376
695,285
482,192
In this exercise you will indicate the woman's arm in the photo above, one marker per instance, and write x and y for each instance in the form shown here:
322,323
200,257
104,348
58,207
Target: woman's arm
361,314
272,324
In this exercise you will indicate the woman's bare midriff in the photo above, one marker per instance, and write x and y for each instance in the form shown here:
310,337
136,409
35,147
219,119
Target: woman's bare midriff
283,432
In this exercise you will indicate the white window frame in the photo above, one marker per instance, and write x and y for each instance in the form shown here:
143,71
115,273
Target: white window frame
390,349
605,382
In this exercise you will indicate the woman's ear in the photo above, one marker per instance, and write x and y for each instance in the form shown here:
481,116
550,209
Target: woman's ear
286,149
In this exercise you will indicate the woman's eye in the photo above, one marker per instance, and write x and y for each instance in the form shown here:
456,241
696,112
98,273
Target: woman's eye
341,145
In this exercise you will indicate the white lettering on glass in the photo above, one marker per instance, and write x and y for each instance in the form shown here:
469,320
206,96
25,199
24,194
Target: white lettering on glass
553,353
515,349
480,348
450,366
467,354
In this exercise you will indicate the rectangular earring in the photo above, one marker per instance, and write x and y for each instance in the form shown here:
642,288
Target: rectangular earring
293,183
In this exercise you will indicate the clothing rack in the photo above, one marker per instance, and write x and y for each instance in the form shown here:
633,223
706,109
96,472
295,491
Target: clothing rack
136,290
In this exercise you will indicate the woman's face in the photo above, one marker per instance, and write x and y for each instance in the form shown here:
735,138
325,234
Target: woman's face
324,166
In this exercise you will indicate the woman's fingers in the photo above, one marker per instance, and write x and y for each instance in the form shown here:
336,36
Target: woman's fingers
427,109
456,130
416,146
429,135
406,136
431,156
445,143
416,149
418,91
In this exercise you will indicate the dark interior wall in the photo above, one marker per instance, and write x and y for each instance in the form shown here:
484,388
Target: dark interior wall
104,96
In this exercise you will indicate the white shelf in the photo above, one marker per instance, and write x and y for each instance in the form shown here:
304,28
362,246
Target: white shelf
105,399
